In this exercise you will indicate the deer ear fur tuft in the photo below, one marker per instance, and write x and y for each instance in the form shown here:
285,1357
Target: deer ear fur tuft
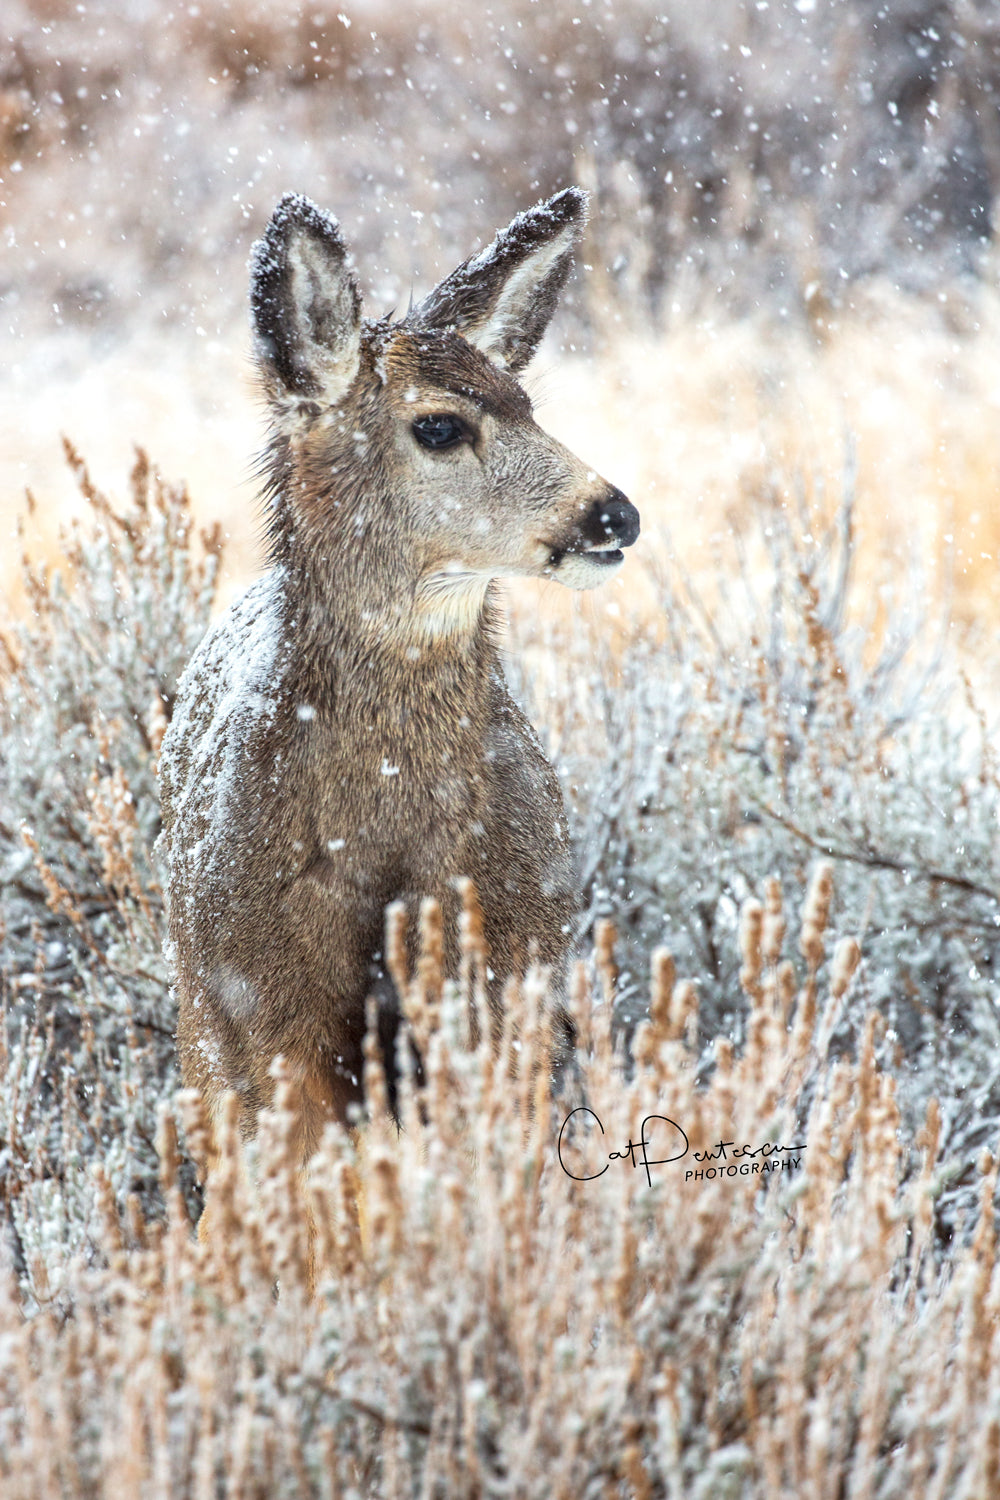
305,303
502,299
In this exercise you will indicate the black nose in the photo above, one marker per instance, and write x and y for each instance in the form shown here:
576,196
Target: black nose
613,518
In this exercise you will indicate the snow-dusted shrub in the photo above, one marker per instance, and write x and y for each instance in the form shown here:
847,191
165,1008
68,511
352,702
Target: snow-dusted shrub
524,1313
85,690
711,753
814,839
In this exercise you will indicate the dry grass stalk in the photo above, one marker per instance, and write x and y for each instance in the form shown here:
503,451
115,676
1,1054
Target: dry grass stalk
493,1324
502,1322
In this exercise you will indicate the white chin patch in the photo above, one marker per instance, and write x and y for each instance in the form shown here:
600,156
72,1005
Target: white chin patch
587,570
451,602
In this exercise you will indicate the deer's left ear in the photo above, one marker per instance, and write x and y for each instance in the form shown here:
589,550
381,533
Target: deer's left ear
501,300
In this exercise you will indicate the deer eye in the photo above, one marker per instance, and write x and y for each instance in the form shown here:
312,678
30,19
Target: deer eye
439,431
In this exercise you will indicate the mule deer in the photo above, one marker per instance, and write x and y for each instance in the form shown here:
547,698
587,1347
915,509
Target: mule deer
344,736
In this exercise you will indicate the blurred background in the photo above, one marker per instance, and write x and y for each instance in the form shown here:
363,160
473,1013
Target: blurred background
790,280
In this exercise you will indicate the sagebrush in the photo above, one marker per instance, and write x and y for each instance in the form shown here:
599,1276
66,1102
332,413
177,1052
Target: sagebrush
797,840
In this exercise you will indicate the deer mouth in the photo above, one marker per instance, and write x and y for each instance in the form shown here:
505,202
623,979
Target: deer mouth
609,525
605,555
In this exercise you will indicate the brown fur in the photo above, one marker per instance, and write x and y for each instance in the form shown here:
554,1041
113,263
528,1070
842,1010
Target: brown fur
344,738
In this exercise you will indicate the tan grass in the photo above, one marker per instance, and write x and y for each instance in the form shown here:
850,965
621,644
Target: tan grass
720,421
503,1325
467,1318
708,428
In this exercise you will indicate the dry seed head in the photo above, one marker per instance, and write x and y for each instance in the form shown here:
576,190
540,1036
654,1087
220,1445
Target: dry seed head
225,1207
929,1135
284,1105
113,826
87,487
135,1221
804,1028
166,1148
604,957
474,956
197,1128
395,946
644,1044
430,964
785,977
581,1005
663,972
471,933
816,914
139,477
108,1208
751,921
419,1016
376,1091
635,1472
984,1240
773,931
279,1183
846,957
57,897
38,944
684,1011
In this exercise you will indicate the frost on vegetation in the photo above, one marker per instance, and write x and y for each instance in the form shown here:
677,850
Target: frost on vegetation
86,684
796,838
714,753
509,1322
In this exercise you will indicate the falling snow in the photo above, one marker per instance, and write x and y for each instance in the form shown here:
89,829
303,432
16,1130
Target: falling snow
783,339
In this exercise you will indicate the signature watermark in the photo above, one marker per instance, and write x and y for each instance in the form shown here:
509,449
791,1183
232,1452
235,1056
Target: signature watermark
658,1132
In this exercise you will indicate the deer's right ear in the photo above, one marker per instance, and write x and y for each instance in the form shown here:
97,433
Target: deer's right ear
305,303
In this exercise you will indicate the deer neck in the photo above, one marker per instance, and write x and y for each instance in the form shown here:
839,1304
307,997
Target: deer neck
421,649
369,620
